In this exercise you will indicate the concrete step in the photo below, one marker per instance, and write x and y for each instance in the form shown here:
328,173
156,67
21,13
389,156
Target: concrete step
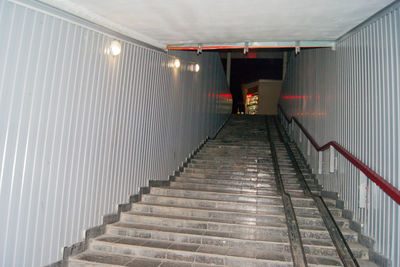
248,174
231,155
240,171
261,161
299,202
224,166
250,182
312,226
131,251
237,158
267,178
184,226
266,239
266,162
248,151
201,254
212,215
212,204
256,239
293,190
222,188
228,175
218,168
94,258
231,205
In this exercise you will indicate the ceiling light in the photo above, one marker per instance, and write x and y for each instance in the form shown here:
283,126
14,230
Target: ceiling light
115,48
196,68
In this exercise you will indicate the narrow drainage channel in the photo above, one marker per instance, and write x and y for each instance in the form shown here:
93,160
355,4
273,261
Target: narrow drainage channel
298,255
338,239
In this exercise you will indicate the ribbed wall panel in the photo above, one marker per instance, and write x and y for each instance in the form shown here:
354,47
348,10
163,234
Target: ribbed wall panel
352,96
81,131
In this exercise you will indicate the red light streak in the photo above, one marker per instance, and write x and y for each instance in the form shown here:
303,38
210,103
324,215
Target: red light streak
226,95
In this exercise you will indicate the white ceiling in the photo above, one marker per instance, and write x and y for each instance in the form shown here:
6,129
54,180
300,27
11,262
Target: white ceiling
163,22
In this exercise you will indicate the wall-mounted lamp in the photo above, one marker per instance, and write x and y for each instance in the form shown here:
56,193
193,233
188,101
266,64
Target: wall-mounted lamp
177,63
194,67
115,48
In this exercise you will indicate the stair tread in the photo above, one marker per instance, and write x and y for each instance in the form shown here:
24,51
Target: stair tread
231,187
228,182
281,227
93,258
206,233
220,202
248,236
246,214
192,252
102,259
253,224
177,251
245,195
226,179
224,193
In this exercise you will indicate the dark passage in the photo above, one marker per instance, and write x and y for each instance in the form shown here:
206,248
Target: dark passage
246,70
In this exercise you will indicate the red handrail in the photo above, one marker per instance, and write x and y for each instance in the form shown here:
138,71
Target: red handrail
387,187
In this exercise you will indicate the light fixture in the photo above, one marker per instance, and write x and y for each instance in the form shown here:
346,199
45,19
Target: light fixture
177,63
115,48
196,68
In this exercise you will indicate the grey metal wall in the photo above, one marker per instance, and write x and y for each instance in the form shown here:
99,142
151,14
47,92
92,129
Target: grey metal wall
352,96
81,131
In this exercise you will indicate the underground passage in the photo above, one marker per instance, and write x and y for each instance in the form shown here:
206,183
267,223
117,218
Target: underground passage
185,133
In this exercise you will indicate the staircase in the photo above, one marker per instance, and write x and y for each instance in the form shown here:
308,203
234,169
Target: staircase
239,202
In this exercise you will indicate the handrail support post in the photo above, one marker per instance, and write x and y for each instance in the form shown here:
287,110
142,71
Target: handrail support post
290,129
331,159
308,148
320,162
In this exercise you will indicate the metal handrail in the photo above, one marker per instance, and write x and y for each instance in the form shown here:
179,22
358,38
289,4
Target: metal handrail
387,187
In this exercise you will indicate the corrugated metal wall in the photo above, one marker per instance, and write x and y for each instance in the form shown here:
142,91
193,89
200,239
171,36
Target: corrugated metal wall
352,96
81,131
